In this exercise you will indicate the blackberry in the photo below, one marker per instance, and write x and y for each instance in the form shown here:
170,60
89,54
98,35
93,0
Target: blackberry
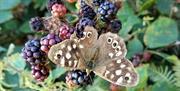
32,53
48,41
79,78
83,22
147,56
52,2
40,72
36,24
136,60
87,11
97,2
65,32
107,10
115,26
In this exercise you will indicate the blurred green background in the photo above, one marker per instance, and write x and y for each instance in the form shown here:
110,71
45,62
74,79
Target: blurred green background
150,27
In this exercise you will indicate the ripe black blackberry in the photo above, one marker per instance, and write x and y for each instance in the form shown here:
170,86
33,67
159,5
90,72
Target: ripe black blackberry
87,11
52,2
36,24
48,41
115,26
32,53
79,78
40,72
83,22
97,2
107,10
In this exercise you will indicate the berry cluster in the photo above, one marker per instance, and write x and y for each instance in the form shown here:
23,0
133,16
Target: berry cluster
78,78
65,32
48,41
107,10
34,56
36,24
40,72
99,11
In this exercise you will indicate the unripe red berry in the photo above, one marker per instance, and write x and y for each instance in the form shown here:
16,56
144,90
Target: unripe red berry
58,10
71,1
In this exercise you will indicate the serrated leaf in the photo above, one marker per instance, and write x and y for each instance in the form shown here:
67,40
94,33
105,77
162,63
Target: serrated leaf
161,33
8,4
134,46
5,16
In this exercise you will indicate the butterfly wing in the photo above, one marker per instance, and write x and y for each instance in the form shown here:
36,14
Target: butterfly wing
67,54
119,71
111,63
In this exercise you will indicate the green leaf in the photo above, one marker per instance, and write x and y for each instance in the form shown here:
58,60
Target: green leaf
147,5
11,80
8,4
99,84
56,73
134,46
5,16
161,33
25,28
128,19
163,77
163,87
10,49
165,6
2,49
143,75
16,63
70,6
71,18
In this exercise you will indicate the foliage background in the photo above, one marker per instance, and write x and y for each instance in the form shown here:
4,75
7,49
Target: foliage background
148,26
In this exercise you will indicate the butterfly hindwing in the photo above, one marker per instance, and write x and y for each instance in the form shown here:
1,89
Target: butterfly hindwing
118,71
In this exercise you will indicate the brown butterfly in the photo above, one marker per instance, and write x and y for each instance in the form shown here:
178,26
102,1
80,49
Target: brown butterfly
105,56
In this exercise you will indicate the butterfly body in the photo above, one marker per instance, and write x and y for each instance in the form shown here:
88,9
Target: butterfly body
104,55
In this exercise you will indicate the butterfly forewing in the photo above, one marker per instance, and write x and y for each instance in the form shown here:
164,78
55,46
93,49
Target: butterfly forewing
67,54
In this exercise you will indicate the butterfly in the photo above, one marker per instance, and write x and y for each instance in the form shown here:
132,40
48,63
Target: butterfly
104,55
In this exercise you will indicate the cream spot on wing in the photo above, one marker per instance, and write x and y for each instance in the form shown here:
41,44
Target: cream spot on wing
75,63
112,76
69,48
60,52
70,63
55,57
122,65
62,61
118,61
118,72
68,55
107,72
111,64
110,55
120,80
74,46
118,53
81,46
63,46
